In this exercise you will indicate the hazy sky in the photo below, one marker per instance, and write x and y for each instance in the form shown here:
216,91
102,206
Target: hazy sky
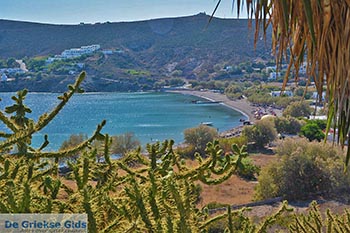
91,11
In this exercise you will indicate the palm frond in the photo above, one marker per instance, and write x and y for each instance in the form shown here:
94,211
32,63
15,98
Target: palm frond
316,32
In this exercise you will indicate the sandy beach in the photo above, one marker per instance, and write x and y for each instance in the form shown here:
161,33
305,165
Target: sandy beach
243,106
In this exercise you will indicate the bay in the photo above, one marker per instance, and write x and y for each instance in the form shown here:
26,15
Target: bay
150,116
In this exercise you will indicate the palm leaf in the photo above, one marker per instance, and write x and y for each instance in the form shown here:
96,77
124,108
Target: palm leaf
317,32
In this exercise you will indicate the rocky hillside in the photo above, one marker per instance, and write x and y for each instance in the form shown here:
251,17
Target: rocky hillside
185,47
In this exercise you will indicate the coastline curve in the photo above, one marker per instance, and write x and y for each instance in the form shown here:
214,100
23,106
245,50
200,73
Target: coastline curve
242,106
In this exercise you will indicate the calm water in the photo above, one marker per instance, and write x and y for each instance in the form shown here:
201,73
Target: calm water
151,116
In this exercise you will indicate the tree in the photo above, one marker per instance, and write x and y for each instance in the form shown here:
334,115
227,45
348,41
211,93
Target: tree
288,125
312,131
297,109
11,63
234,91
200,136
121,144
304,169
73,141
314,32
36,64
261,133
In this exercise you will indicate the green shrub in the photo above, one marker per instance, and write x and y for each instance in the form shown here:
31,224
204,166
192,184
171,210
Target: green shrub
321,123
288,125
304,169
297,109
186,151
262,133
73,141
249,170
124,143
226,143
312,131
200,136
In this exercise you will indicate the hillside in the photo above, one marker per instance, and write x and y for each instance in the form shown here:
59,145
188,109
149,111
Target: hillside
160,47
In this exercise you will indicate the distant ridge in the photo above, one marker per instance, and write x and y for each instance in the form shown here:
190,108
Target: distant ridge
20,39
142,55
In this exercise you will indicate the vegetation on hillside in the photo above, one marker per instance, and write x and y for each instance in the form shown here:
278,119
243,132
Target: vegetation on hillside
144,54
198,137
261,133
305,169
298,109
288,125
317,33
313,130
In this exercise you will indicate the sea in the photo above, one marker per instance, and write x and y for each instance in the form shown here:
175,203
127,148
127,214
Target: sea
151,116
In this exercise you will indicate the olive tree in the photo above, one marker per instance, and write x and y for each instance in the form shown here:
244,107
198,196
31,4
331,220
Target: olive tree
200,136
261,133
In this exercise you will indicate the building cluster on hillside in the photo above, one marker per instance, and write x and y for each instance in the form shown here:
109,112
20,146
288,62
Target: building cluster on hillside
74,52
5,72
279,93
290,93
274,75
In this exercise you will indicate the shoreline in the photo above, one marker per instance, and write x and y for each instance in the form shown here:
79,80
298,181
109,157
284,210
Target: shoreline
242,106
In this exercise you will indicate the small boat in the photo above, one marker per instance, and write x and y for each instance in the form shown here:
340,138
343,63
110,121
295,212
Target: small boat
208,123
206,102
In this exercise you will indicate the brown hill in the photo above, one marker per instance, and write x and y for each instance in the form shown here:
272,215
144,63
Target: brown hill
169,37
160,47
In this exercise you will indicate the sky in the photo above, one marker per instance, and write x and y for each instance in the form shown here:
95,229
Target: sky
93,11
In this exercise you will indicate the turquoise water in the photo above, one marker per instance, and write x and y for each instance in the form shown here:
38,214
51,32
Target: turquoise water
151,116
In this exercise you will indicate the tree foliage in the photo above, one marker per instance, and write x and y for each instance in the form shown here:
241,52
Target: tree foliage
200,136
288,125
298,109
312,131
304,169
261,133
124,143
73,141
226,143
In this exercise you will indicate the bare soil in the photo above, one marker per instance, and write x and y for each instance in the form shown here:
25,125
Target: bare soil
238,191
234,191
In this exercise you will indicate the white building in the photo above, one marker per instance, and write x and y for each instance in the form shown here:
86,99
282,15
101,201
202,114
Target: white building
315,95
12,70
52,59
77,52
270,69
279,93
274,75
